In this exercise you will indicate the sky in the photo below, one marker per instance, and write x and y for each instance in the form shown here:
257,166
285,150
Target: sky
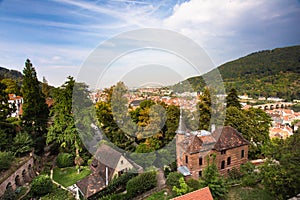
58,36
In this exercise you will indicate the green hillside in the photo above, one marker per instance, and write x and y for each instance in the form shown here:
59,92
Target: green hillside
12,74
265,73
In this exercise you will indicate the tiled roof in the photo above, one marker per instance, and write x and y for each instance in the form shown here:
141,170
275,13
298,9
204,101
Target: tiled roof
227,138
91,184
201,194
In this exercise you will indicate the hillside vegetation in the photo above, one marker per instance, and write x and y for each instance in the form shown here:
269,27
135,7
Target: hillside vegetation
264,73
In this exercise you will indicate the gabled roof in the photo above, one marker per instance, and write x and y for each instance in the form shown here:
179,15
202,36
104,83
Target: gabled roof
191,144
108,156
201,194
227,138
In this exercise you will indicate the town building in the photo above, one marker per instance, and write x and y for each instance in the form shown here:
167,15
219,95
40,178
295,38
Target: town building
107,164
16,102
194,147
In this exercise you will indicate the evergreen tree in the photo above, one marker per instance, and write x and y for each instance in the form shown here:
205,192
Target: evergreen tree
35,109
232,99
204,110
63,131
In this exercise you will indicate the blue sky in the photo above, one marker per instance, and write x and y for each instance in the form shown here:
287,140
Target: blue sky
58,35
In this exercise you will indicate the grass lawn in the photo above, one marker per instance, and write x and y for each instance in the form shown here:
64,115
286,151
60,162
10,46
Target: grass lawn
248,193
68,176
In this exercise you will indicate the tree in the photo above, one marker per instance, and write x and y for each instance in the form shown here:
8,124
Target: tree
22,144
7,129
282,178
12,86
232,99
63,131
35,109
253,124
213,179
204,110
182,189
6,159
173,179
5,108
41,185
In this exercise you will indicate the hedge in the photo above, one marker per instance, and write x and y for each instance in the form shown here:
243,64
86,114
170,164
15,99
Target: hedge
141,184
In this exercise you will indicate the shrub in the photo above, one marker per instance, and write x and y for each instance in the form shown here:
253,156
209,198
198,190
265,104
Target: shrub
9,194
173,179
116,185
6,159
41,185
141,184
193,184
65,160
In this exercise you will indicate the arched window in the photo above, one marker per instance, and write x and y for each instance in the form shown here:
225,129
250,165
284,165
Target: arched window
223,164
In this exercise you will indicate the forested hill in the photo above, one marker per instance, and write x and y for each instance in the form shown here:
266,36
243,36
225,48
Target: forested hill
12,74
265,73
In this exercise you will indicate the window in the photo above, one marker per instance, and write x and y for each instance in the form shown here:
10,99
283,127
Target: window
242,153
200,173
228,160
223,152
223,164
200,161
186,159
121,162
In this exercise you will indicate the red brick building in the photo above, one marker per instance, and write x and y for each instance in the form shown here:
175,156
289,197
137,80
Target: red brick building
193,148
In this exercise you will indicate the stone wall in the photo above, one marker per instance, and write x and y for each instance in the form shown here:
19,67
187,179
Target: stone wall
23,175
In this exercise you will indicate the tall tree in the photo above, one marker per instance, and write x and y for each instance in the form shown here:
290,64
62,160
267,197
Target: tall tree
204,110
7,130
63,130
232,99
35,110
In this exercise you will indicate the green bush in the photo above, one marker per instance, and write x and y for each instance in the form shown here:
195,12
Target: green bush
116,185
41,185
141,184
193,184
173,179
6,159
65,160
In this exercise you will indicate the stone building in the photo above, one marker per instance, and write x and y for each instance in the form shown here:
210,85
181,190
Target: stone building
194,147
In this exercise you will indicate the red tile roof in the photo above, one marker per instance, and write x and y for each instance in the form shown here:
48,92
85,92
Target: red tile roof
228,138
201,194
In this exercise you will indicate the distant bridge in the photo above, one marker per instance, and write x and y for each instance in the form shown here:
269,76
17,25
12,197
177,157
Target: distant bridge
275,105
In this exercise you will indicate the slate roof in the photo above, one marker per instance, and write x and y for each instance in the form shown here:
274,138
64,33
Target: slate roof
108,156
201,194
227,138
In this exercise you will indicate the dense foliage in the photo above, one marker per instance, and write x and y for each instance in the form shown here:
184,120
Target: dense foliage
6,158
116,185
173,179
141,184
41,185
265,73
35,110
65,160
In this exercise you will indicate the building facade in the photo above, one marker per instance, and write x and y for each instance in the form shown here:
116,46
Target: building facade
193,149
